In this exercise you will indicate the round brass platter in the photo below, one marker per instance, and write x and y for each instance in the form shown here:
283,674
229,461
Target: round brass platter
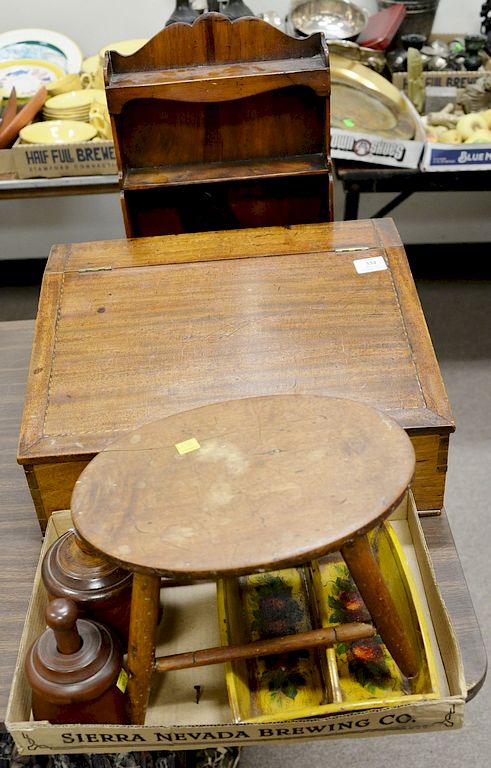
363,111
364,101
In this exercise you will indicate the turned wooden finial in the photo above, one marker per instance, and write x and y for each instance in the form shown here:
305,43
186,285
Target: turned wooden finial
61,617
73,667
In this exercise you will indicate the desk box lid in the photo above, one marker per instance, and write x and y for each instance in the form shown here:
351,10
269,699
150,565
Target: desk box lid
133,330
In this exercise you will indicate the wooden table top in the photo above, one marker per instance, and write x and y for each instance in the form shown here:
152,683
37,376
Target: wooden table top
21,538
243,486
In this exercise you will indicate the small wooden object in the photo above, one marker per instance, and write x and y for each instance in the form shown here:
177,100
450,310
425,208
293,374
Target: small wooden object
100,590
345,633
73,668
221,125
241,487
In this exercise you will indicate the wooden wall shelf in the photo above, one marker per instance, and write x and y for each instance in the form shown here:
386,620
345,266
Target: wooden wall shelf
240,103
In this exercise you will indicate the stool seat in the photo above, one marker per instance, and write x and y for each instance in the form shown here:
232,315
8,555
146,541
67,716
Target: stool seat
243,486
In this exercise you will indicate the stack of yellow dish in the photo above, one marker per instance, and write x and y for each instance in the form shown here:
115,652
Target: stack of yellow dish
92,71
57,132
125,47
74,105
91,74
64,84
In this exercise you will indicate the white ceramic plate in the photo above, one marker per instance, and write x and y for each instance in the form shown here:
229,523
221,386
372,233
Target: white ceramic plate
27,76
41,44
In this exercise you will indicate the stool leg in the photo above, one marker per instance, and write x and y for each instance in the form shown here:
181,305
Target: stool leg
378,600
145,600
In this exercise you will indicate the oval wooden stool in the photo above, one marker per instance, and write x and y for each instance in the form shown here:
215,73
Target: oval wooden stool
241,487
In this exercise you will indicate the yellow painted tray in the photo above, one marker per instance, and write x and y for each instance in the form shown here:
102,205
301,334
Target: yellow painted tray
313,682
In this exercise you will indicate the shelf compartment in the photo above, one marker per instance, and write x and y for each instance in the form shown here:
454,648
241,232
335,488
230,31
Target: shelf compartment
346,677
214,83
192,173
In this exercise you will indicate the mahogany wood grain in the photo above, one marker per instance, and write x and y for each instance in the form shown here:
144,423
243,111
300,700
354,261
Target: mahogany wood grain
213,38
298,165
239,95
216,83
132,331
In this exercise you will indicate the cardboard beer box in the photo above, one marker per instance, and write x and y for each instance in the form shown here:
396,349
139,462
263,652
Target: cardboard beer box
7,165
86,158
365,147
442,79
438,157
175,721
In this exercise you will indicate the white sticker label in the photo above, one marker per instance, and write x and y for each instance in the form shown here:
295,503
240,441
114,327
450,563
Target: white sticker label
375,264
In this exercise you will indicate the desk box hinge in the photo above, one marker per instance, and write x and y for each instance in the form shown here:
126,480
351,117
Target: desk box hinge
353,249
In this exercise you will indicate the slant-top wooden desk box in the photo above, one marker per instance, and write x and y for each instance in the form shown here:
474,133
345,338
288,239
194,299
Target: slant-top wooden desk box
130,331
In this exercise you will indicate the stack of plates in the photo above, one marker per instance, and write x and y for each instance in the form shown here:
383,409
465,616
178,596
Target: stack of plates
57,132
74,105
30,58
27,76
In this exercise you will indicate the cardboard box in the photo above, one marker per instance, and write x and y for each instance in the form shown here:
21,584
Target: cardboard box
87,158
224,315
369,148
456,157
437,156
7,165
445,79
175,722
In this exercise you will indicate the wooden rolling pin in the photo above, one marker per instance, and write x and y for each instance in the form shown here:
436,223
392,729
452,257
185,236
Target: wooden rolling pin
326,636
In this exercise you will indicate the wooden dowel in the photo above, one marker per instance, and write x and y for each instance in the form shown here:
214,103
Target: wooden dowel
377,598
221,654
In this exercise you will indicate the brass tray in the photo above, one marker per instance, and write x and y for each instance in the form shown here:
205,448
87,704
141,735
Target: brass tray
364,101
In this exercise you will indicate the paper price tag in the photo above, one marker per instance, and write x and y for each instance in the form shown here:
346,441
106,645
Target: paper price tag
187,446
375,264
122,680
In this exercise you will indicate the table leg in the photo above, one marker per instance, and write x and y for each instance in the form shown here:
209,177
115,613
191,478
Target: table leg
351,203
145,601
378,600
393,204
